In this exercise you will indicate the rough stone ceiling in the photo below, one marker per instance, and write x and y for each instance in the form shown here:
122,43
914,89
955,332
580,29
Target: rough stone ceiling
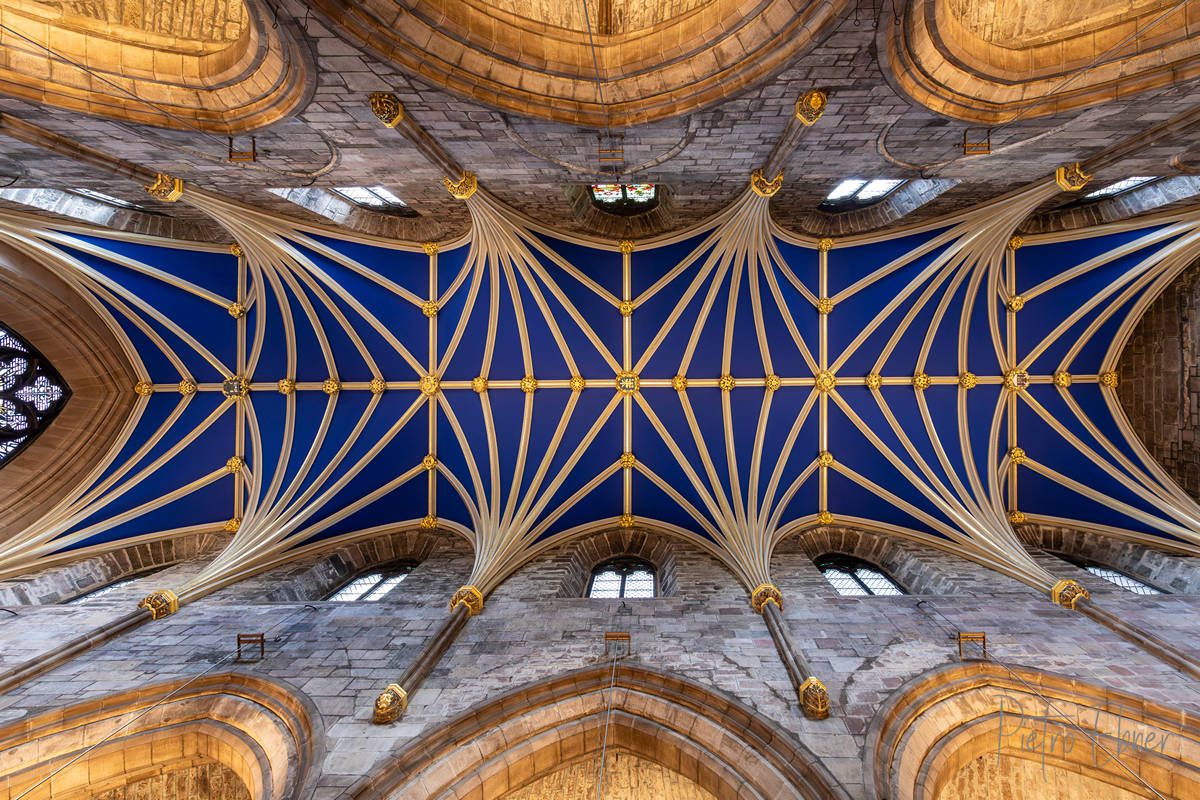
868,130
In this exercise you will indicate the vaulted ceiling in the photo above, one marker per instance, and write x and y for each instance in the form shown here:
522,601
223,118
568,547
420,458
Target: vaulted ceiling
731,384
507,368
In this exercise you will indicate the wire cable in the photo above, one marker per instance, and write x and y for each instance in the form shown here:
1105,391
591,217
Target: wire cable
596,64
159,702
1049,703
612,682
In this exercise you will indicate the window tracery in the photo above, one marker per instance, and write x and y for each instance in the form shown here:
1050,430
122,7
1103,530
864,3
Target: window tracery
854,577
31,394
375,198
1126,582
103,590
372,585
859,192
1120,187
622,578
624,198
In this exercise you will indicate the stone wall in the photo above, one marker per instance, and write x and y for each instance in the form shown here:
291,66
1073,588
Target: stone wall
340,655
1160,379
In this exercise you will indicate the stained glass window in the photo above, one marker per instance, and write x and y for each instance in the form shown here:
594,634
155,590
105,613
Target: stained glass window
624,198
856,578
31,394
607,192
372,585
622,578
640,192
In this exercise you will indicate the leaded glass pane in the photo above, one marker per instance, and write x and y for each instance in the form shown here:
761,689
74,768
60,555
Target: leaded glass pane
1120,186
385,586
606,584
606,192
876,582
107,198
844,583
103,590
845,189
876,189
41,394
361,195
387,196
640,192
31,393
356,588
639,583
1121,579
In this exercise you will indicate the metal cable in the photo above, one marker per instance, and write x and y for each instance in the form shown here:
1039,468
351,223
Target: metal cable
1128,39
612,682
97,76
1049,704
164,699
596,66
63,59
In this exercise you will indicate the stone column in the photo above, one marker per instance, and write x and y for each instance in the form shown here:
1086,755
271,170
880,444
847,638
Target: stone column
811,693
1069,594
808,110
466,603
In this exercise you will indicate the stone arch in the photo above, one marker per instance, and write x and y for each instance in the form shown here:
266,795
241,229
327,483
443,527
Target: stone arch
225,67
56,319
587,553
506,744
314,581
1158,367
535,58
663,217
78,577
919,569
896,205
960,718
984,62
1085,214
1172,572
264,733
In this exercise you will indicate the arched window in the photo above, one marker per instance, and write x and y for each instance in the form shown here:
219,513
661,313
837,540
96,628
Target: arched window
855,577
103,590
859,192
1120,187
372,585
375,198
624,198
1126,582
31,394
622,577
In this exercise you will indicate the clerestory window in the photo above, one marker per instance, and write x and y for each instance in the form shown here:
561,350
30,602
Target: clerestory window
622,578
624,198
858,192
373,585
375,198
1119,187
1126,582
856,578
103,590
